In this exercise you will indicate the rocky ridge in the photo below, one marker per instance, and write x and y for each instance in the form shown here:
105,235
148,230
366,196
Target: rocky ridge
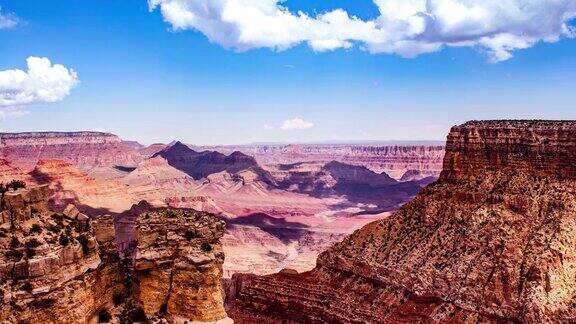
66,267
394,159
492,241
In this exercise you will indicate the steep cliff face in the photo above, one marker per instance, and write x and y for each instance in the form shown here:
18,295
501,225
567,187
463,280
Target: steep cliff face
178,264
50,267
540,147
492,241
83,149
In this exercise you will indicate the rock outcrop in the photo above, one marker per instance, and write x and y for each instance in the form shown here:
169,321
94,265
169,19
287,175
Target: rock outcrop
492,241
50,267
201,164
66,267
83,149
178,264
543,148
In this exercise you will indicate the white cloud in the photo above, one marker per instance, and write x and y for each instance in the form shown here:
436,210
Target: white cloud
296,123
7,20
268,127
42,82
404,27
12,112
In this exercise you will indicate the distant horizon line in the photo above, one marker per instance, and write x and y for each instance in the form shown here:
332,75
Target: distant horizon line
273,143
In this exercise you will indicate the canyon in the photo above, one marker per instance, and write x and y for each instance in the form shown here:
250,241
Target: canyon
187,235
278,215
395,158
491,241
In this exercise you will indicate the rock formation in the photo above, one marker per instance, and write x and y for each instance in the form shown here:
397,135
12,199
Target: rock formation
394,159
358,184
73,185
178,265
492,241
83,149
154,179
201,164
50,267
8,172
66,267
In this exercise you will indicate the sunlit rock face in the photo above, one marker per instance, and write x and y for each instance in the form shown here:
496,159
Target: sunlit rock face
83,149
177,263
70,268
492,241
51,268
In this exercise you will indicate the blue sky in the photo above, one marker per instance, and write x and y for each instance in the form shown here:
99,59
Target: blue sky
143,80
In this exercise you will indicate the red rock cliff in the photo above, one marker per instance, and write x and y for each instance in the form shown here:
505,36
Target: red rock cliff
84,149
540,147
493,241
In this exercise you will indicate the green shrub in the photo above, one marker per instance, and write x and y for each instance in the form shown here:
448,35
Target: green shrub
118,298
13,255
36,228
83,240
104,316
206,247
189,235
27,287
32,243
14,242
64,240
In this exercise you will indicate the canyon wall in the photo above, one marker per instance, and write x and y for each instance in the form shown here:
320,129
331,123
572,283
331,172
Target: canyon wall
394,159
540,147
492,241
83,149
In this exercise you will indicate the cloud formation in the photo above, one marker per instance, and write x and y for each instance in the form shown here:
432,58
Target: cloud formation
404,27
42,82
295,124
7,20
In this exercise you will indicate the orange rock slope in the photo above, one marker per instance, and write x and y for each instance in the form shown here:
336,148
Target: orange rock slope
492,241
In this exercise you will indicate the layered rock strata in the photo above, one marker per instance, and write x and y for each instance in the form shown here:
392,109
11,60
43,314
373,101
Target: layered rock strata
66,267
50,267
394,159
83,149
178,264
492,241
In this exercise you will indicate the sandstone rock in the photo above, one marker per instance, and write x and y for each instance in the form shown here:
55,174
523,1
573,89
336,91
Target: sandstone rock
71,211
83,149
492,241
54,274
179,271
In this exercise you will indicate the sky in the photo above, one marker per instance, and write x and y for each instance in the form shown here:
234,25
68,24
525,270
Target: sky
241,71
